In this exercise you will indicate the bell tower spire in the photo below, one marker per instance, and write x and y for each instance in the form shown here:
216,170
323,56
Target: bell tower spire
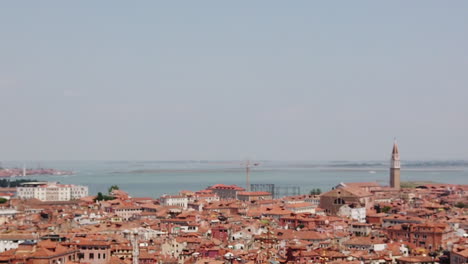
395,167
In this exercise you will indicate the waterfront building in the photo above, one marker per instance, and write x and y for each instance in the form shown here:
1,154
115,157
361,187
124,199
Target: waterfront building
51,191
226,192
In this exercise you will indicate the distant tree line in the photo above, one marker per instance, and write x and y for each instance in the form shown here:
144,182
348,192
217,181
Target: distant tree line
6,182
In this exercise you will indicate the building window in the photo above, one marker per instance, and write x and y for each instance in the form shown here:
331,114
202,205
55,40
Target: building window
339,201
91,255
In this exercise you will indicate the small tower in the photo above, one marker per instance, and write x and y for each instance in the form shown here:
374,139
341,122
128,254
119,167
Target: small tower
135,247
395,167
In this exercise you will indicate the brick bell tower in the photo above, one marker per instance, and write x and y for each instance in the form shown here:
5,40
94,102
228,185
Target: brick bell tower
395,167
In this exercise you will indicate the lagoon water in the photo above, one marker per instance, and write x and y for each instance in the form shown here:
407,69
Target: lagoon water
155,178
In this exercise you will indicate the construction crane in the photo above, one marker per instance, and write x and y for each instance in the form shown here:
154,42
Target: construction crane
247,173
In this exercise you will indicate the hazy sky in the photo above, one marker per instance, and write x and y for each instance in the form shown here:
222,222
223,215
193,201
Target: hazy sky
269,79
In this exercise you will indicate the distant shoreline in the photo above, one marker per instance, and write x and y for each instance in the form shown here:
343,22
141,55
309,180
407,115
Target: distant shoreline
215,170
386,169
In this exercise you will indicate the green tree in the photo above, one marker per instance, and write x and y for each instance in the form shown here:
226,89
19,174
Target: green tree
461,205
103,197
315,191
99,196
386,209
113,187
3,200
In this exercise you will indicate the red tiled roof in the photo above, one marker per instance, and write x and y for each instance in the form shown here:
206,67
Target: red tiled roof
259,193
223,186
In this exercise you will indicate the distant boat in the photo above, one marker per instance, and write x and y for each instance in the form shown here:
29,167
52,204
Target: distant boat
372,172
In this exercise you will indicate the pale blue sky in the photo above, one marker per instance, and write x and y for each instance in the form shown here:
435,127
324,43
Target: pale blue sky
303,80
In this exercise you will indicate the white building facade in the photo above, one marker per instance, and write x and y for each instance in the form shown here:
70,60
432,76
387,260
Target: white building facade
358,213
174,200
52,191
11,241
